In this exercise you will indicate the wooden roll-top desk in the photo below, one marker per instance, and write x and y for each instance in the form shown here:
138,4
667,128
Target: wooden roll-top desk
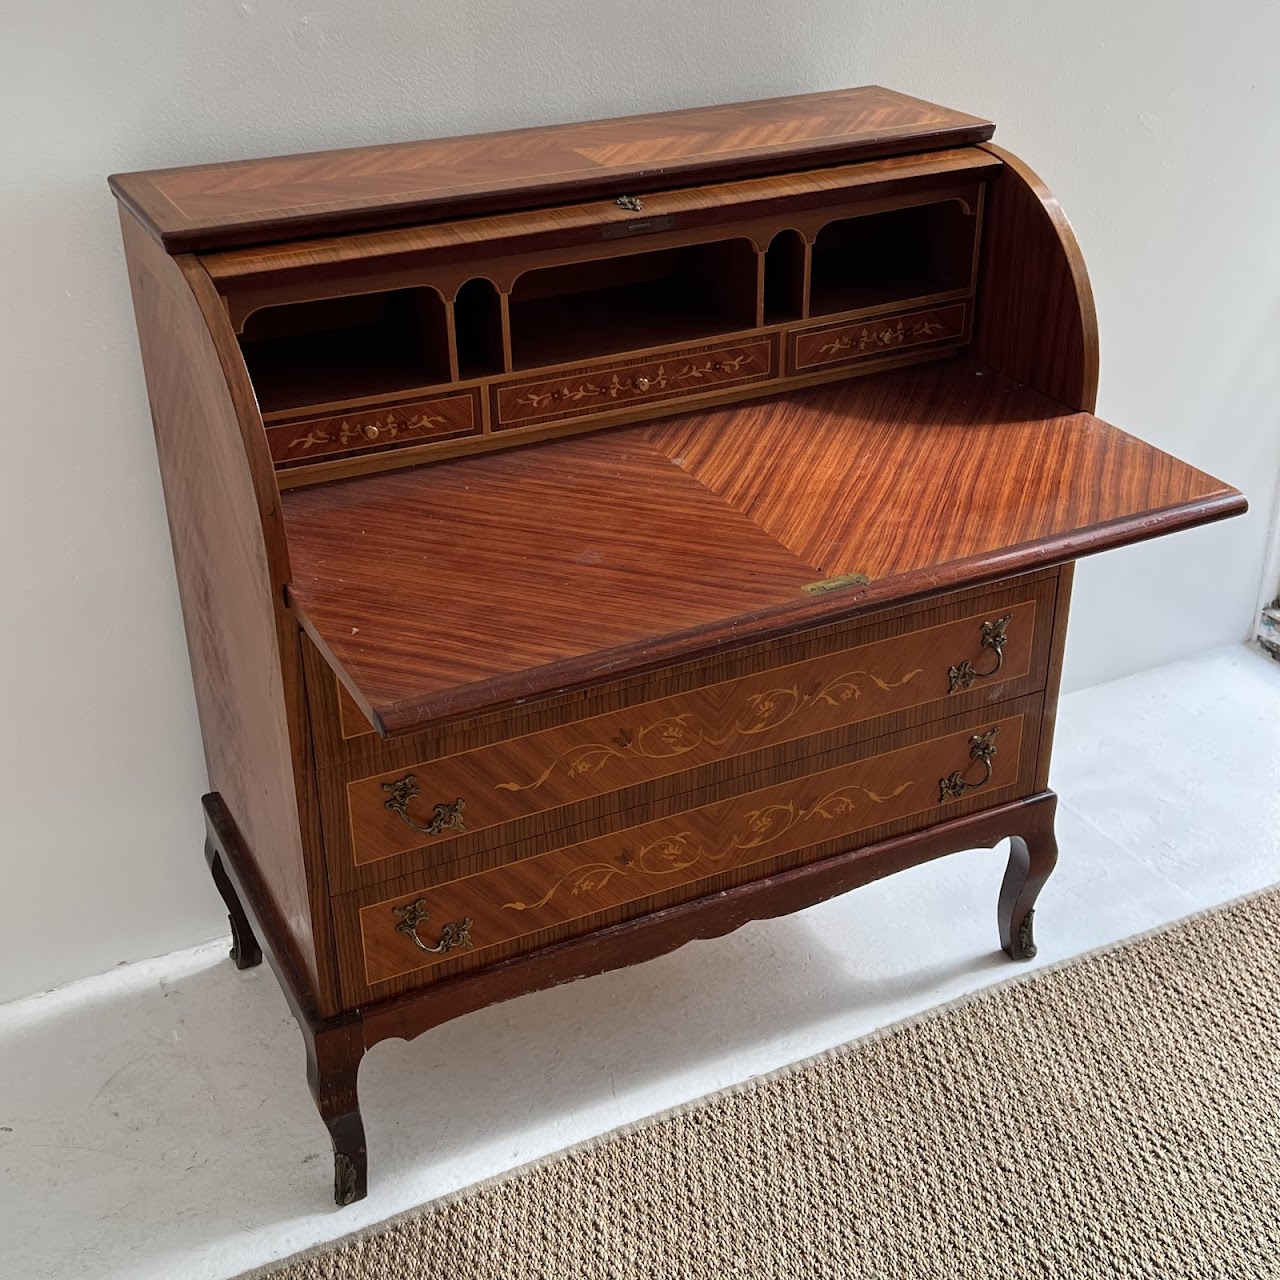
593,538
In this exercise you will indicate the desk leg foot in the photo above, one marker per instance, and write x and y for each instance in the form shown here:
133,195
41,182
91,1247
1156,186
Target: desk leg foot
245,950
333,1063
1033,853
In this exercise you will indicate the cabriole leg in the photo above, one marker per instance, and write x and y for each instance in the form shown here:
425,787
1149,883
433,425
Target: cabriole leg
1032,857
245,950
333,1062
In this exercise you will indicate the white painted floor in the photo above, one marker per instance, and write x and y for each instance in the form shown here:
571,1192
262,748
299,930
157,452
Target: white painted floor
155,1122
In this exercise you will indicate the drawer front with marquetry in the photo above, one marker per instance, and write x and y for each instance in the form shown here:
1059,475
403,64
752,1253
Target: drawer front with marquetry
407,932
829,345
618,384
432,804
375,429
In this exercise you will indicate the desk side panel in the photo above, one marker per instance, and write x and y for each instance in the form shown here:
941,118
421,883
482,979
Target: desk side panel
1035,316
232,562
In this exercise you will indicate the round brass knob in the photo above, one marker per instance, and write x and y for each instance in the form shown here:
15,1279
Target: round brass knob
642,384
370,431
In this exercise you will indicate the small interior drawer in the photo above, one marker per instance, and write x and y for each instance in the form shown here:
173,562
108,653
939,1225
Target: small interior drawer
380,427
412,930
613,385
823,346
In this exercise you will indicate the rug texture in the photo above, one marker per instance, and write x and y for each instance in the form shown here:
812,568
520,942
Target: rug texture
1118,1116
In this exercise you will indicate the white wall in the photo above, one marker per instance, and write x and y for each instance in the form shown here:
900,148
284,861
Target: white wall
1157,122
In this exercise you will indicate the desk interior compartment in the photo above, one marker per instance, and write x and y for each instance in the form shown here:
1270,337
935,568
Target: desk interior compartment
627,303
346,348
892,256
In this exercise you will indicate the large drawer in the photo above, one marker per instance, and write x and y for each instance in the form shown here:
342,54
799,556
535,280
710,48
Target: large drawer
419,929
430,809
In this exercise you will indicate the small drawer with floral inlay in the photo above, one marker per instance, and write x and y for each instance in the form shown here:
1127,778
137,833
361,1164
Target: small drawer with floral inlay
441,806
825,345
382,427
606,388
417,929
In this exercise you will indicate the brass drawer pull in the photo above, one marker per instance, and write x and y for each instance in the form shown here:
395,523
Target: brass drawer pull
982,746
993,637
445,816
456,935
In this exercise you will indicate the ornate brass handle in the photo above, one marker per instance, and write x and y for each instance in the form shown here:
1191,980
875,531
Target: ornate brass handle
641,383
453,936
445,816
993,637
982,746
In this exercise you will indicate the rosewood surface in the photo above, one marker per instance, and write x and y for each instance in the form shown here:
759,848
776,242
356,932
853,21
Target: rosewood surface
706,528
203,206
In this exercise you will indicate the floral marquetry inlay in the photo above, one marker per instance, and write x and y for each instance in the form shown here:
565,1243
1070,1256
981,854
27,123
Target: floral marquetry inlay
835,343
596,390
323,437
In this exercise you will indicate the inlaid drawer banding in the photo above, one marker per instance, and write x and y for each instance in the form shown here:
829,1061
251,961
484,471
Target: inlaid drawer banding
521,777
517,901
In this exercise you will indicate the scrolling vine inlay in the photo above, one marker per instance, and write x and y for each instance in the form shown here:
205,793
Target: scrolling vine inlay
676,853
680,734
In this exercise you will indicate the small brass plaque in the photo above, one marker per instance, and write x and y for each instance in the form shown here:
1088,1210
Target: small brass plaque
615,230
835,584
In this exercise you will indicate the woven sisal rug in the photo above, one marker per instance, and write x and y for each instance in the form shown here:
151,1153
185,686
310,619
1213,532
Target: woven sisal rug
1116,1116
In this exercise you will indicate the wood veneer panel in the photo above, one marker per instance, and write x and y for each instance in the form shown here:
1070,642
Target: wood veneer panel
659,543
229,549
251,201
674,552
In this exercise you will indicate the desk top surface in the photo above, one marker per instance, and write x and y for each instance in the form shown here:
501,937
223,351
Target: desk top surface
257,201
478,583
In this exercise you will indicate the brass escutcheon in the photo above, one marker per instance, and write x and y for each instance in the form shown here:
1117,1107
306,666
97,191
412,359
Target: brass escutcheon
994,637
982,746
453,936
444,817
